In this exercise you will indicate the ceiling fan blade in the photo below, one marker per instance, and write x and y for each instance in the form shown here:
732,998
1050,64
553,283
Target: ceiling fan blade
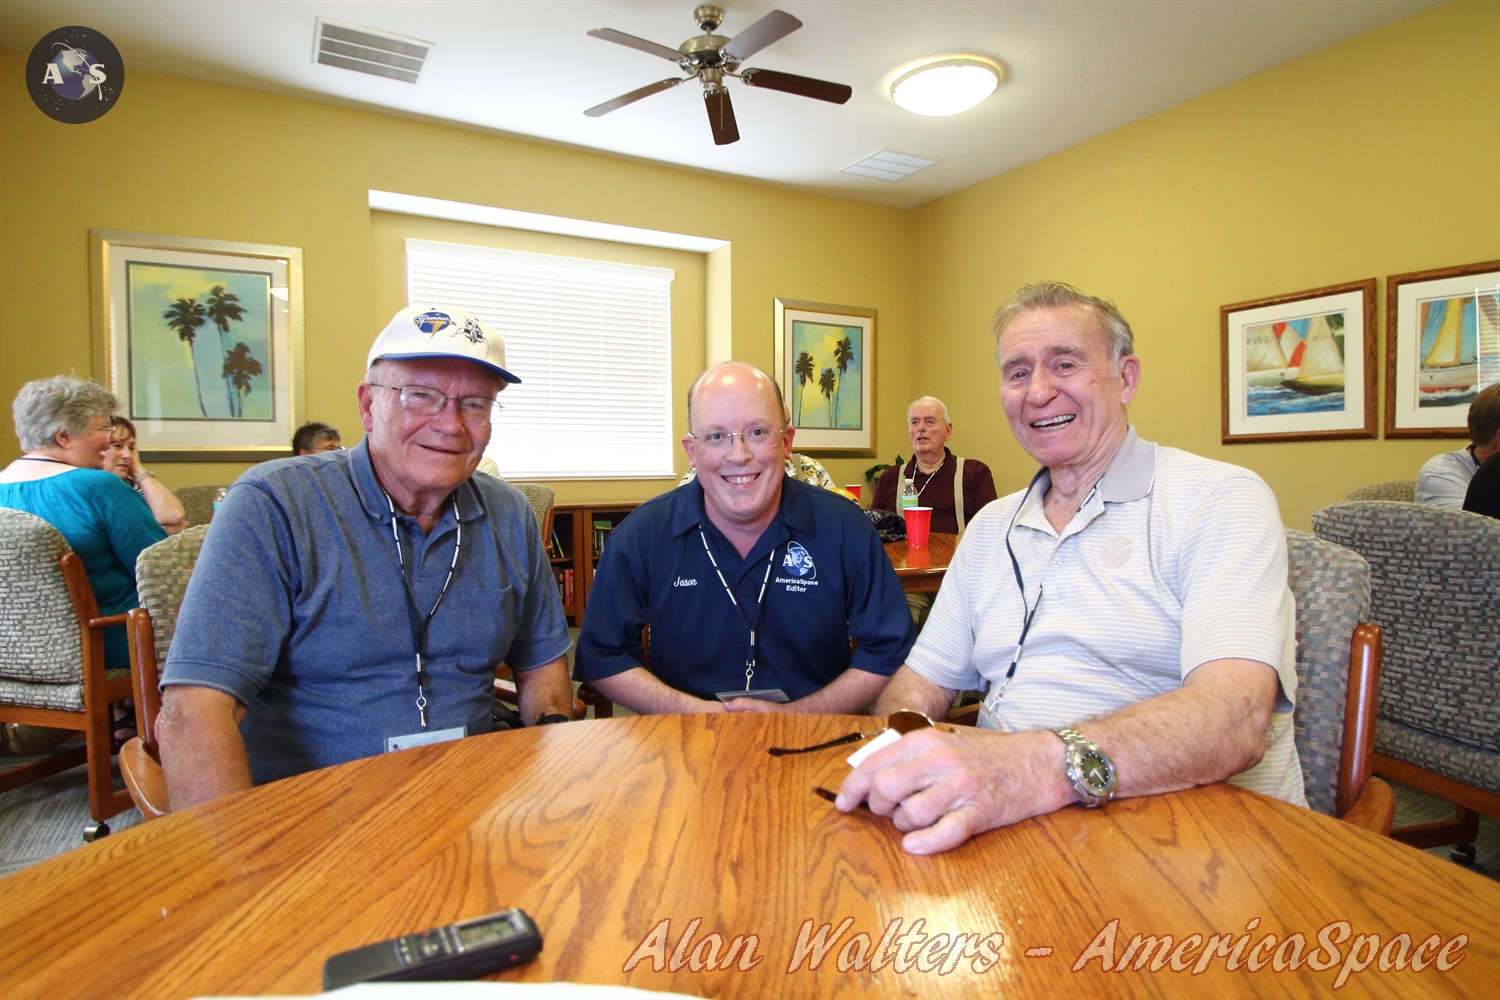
804,86
635,95
632,42
720,115
772,28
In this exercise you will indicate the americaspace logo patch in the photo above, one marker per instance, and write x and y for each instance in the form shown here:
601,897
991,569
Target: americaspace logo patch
798,562
74,75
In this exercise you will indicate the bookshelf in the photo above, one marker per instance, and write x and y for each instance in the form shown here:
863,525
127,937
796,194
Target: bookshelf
573,529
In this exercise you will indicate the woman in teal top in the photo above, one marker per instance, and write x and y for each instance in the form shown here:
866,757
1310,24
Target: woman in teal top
63,424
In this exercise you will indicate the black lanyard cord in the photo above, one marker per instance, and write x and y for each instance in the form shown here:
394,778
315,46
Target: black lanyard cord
420,625
760,604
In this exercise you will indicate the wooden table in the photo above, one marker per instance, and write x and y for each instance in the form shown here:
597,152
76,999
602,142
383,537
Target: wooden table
602,830
921,570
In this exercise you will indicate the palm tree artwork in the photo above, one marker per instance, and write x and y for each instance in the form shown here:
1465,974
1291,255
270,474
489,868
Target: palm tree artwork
224,308
185,316
827,382
843,353
805,373
239,369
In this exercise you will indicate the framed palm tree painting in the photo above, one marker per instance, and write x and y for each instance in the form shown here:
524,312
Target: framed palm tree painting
201,340
825,362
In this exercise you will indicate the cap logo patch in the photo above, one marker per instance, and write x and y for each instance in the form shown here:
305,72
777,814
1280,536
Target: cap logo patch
472,331
432,321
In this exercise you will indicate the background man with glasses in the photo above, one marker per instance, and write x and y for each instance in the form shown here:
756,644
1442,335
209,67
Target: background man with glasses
354,602
750,580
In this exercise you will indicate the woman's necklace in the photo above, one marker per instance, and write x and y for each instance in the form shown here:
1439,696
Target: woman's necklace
42,458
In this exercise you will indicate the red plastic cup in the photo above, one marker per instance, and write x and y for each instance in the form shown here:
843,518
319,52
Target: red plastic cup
853,488
918,526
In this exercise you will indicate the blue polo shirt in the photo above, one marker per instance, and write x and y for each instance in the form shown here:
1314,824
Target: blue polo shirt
296,608
830,581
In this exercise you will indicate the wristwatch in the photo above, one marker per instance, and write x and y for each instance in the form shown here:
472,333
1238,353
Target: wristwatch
1089,768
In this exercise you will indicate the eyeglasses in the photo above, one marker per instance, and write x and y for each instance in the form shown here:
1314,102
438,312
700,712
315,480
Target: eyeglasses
428,402
95,428
903,722
754,438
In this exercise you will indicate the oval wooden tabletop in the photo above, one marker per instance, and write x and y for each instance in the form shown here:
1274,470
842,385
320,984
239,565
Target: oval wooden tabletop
602,830
921,570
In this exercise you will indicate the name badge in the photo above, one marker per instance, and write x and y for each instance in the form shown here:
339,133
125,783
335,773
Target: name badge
761,694
422,739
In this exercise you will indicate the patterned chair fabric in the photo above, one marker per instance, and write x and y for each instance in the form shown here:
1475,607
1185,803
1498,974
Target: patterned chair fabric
1332,587
541,499
161,574
198,502
41,649
1404,490
1435,590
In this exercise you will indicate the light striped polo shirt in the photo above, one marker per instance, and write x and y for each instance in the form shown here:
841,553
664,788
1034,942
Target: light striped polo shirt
1172,561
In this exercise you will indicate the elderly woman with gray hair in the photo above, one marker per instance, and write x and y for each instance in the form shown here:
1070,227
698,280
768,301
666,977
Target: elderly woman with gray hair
64,427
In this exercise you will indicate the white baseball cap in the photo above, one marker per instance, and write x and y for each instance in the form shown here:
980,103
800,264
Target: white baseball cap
440,332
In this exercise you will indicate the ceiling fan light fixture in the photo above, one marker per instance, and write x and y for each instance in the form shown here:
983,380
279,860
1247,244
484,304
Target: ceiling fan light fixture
946,86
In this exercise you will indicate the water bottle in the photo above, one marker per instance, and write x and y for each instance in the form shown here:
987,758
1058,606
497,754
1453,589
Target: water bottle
908,493
219,495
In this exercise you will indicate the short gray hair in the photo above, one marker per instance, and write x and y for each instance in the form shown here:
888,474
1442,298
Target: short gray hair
693,389
929,399
61,403
1055,295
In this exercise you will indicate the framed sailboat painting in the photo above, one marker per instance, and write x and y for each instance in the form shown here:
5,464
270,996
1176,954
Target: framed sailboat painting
1300,367
1442,346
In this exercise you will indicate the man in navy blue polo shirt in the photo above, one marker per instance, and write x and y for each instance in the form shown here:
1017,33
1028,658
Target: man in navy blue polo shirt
752,583
356,602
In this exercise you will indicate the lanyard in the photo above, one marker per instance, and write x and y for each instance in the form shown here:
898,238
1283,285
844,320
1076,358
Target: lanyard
1029,614
419,630
930,476
760,604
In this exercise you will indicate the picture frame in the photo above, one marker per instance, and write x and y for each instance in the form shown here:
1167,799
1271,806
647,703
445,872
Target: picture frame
1442,345
202,341
825,362
1301,366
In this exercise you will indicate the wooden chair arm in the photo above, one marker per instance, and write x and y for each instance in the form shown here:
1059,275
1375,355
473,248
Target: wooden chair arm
1374,810
144,778
968,715
1366,648
108,621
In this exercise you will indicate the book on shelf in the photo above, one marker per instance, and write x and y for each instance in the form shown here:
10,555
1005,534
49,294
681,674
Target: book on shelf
565,585
601,535
557,549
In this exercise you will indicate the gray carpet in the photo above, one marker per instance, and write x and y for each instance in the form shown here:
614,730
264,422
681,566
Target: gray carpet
46,818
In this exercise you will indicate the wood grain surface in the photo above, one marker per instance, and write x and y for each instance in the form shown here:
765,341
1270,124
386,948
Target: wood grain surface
601,830
921,570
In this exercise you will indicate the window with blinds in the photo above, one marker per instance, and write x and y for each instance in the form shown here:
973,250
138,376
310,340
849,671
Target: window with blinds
591,342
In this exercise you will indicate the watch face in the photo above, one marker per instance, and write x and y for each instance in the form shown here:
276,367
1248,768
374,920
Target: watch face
1096,771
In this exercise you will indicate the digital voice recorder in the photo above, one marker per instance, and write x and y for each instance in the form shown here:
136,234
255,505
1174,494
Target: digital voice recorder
465,950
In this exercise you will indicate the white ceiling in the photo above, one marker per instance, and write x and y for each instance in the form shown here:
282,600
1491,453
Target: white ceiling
1075,70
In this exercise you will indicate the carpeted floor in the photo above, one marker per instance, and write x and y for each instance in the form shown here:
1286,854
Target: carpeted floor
46,818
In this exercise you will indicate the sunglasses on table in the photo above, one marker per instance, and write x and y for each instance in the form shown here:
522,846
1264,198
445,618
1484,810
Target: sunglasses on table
903,722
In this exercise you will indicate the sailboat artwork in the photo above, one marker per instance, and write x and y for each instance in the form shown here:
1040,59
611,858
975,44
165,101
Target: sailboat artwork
1295,366
1459,349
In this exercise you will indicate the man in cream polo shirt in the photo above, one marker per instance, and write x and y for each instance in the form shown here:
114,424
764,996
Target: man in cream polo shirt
1128,611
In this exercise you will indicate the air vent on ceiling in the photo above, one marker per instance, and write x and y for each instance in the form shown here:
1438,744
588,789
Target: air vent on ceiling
366,51
887,165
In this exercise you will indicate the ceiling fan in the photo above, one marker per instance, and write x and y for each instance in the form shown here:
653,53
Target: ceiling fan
709,58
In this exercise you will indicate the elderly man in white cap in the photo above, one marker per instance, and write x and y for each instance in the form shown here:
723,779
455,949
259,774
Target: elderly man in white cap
357,602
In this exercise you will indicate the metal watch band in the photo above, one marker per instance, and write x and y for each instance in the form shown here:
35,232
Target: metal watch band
1077,746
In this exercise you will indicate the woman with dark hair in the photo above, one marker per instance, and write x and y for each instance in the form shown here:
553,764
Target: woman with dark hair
123,460
64,426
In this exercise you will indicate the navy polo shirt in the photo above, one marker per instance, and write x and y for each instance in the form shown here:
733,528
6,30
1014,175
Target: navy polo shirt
830,581
296,608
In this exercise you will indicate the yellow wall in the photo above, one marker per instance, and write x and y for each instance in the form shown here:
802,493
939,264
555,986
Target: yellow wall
186,158
1376,156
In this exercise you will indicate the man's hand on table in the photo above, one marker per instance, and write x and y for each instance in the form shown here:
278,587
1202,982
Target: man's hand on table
942,788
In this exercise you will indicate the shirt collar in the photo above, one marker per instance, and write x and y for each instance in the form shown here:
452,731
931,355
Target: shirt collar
372,497
1130,476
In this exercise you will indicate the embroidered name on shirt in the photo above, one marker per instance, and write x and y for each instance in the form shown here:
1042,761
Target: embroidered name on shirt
681,582
796,586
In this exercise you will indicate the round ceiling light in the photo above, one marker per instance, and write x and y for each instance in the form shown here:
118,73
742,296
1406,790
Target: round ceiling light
946,86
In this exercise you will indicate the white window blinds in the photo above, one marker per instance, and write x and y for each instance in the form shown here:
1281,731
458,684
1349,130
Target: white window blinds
591,342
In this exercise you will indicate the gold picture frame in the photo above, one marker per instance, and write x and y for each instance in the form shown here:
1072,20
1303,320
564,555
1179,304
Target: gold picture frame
825,350
202,341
